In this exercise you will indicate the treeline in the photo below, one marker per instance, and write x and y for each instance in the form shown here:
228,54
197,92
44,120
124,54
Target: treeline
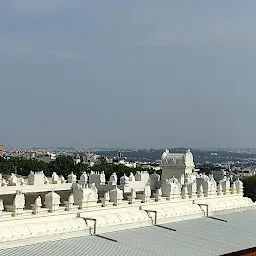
208,168
250,187
63,165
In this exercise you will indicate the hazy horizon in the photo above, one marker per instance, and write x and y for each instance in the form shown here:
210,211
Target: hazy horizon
135,74
123,149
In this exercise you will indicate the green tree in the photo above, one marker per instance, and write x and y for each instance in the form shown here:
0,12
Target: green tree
250,187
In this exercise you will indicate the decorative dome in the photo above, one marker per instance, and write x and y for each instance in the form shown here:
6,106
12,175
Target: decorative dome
178,159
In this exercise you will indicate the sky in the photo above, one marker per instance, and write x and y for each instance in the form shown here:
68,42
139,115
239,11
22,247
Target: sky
141,74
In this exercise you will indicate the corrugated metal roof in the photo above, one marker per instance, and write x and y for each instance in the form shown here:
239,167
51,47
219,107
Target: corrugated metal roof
193,237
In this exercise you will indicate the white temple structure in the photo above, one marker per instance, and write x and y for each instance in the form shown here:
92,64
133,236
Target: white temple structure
96,206
177,164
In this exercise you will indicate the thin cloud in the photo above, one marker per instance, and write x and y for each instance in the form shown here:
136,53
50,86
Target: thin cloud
40,5
22,47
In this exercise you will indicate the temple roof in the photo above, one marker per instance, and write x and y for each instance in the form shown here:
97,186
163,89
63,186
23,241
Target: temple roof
205,236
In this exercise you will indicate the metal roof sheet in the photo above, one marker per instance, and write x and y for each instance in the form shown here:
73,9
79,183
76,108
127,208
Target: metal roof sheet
203,236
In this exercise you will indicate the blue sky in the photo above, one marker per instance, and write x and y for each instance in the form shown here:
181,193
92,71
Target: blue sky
127,73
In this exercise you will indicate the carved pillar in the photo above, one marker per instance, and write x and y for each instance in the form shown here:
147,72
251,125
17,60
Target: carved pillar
36,207
200,191
219,190
105,200
184,192
69,205
158,195
116,196
52,201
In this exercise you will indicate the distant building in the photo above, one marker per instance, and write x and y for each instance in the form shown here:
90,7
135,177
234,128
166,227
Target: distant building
127,164
90,158
48,157
105,159
1,150
34,154
243,172
77,159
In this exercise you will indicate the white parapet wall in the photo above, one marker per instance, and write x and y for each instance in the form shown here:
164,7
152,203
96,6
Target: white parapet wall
35,188
47,226
151,201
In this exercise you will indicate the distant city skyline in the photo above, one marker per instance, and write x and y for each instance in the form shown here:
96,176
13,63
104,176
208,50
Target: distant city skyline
135,74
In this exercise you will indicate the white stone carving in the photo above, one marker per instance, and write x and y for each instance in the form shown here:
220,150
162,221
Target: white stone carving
182,179
210,186
124,180
225,183
22,182
124,216
145,197
155,181
184,192
37,178
219,190
36,207
116,196
4,183
158,195
13,181
132,197
200,191
69,205
84,197
1,205
83,178
164,157
171,189
62,179
106,196
142,176
71,178
233,188
52,201
105,200
113,179
55,178
19,200
18,204
94,188
71,199
132,177
177,164
46,181
38,201
239,187
192,188
97,178
189,160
